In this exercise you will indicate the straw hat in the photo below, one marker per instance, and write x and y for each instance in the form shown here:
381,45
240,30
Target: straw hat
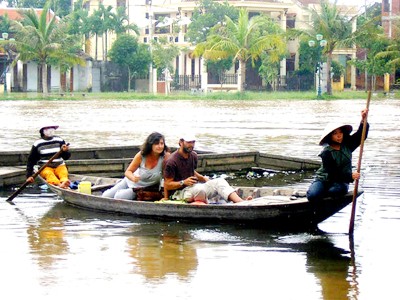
331,127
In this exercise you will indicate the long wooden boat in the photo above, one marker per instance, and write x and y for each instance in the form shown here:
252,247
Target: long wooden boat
271,208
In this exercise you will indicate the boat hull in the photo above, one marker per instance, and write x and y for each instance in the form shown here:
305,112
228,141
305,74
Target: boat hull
267,211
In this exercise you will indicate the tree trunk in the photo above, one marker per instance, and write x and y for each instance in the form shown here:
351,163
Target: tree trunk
95,47
328,74
44,80
373,82
61,82
102,46
106,42
129,79
88,45
242,75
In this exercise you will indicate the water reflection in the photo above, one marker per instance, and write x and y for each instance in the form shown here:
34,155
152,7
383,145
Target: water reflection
47,240
331,266
165,252
159,250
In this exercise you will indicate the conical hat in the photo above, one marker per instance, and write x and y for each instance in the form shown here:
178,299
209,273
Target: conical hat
331,127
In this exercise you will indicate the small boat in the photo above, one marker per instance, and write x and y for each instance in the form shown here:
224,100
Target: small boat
271,208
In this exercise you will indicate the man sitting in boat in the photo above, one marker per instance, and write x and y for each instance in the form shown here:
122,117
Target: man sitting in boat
183,182
144,173
56,172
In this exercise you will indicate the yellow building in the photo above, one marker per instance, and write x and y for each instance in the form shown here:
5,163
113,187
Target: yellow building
155,19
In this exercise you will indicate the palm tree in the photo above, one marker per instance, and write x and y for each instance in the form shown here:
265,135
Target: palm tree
243,40
79,25
41,39
120,24
96,27
335,28
392,52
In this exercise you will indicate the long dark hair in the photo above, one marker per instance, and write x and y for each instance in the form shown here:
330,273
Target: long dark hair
153,138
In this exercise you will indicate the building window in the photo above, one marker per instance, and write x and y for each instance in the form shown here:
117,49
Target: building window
253,14
121,3
290,62
291,21
165,28
386,5
193,67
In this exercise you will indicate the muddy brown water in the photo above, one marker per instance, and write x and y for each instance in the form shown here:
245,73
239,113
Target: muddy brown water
52,250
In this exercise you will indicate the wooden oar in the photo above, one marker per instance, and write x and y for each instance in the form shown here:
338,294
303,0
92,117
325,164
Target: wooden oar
353,209
15,194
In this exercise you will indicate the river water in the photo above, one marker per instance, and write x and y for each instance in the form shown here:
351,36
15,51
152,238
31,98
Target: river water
50,250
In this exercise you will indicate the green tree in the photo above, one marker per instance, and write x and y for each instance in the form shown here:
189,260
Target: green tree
308,57
372,14
96,25
41,40
126,51
336,27
392,52
59,7
269,71
79,25
163,54
243,40
5,23
219,67
375,63
120,23
205,16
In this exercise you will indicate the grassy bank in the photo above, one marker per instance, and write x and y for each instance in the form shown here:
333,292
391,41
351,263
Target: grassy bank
309,95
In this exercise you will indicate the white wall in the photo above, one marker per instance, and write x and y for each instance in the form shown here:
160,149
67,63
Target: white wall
32,79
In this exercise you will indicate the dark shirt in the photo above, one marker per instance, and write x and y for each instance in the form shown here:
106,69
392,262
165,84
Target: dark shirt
336,164
179,168
42,150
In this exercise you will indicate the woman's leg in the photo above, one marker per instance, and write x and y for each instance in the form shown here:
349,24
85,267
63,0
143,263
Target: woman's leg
110,193
338,189
316,191
127,194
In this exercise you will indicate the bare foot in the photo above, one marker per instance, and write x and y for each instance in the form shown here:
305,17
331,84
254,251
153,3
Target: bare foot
65,184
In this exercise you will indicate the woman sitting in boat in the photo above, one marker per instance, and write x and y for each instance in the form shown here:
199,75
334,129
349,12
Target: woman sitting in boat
335,173
144,172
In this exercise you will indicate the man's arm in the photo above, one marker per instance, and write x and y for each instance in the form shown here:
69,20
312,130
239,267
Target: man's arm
200,177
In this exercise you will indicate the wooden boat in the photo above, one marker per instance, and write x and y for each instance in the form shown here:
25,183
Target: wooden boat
271,208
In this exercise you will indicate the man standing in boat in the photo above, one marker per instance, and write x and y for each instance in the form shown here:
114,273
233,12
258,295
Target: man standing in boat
183,182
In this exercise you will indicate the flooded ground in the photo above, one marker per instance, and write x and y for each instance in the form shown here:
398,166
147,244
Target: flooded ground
53,250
